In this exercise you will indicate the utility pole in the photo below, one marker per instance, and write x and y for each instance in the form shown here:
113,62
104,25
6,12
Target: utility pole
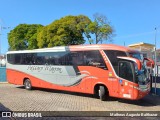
0,38
1,28
0,43
155,54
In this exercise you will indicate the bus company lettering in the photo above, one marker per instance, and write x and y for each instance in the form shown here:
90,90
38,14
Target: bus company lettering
53,69
35,68
49,68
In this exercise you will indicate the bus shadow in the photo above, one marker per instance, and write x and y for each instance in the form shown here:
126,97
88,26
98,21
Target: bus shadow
3,108
69,93
149,101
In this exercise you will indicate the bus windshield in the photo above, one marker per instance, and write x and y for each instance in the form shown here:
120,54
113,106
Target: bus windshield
142,77
127,71
139,56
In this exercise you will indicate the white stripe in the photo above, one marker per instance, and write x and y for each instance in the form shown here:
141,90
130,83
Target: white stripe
132,59
84,72
54,49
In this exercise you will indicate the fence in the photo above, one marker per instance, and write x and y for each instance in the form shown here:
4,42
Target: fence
156,80
155,84
3,74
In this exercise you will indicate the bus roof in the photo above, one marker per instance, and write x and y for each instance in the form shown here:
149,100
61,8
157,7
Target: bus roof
102,47
79,48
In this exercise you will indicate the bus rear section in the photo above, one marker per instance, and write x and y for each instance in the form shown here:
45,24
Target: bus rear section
86,69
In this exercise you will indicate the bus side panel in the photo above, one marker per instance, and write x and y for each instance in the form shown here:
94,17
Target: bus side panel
94,76
14,77
17,77
86,85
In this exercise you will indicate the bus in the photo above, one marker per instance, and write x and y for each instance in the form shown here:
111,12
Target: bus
103,70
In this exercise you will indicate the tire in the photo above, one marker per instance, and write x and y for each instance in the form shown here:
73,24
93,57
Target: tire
27,84
102,93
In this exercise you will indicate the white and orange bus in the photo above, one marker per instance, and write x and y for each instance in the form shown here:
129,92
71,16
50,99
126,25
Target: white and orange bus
103,70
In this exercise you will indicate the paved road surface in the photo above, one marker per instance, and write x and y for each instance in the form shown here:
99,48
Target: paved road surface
16,98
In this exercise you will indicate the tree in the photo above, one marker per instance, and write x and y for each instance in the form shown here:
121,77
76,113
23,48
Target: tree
101,28
83,26
68,30
24,36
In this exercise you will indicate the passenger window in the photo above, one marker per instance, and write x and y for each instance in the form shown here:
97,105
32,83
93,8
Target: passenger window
77,58
94,58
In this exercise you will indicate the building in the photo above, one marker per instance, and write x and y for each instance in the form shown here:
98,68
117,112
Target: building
148,51
2,61
146,48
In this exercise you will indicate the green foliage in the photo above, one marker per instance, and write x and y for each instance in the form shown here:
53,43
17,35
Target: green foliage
100,28
68,30
24,36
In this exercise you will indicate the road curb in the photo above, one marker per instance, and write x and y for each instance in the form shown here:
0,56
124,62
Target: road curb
3,82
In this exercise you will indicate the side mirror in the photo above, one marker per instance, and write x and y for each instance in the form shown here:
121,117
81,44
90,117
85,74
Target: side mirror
138,62
150,62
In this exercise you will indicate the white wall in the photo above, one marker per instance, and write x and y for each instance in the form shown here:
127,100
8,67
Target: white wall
2,62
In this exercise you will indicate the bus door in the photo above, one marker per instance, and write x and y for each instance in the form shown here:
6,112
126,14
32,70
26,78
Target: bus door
126,78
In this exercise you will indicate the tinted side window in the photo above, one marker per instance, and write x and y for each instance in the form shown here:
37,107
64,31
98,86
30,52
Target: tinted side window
15,58
94,58
80,58
40,58
10,58
112,55
77,58
64,58
28,59
53,58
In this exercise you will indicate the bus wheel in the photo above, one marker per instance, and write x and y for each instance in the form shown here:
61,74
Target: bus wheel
102,93
27,84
